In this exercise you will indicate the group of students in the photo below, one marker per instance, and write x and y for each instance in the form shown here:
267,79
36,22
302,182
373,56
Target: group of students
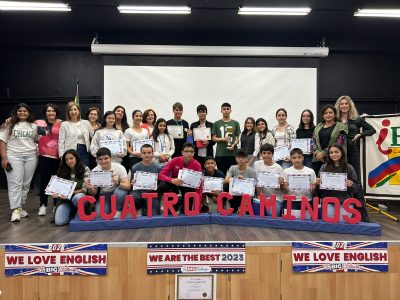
69,149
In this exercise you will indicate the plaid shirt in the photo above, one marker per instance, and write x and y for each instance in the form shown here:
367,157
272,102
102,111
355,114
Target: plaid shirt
290,134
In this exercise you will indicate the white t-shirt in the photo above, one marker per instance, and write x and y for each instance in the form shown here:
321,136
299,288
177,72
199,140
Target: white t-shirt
22,139
259,166
133,135
108,134
280,138
304,192
116,169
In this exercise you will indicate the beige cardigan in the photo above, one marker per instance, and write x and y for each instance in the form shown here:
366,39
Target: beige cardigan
68,136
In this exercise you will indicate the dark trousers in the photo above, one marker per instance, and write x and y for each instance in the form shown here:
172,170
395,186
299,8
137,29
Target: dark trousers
141,203
225,162
83,154
133,161
316,166
353,158
47,167
166,187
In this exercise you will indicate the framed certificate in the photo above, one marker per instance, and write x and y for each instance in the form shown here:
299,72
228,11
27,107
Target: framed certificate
195,286
211,184
115,146
191,179
303,144
176,131
333,181
60,186
145,181
201,134
238,187
281,152
137,145
268,179
299,181
101,178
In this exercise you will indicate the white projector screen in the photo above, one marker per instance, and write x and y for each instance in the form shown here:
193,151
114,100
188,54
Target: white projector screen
255,92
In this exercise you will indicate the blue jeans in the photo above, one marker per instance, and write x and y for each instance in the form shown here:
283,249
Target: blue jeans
278,209
331,211
120,193
67,209
284,164
141,203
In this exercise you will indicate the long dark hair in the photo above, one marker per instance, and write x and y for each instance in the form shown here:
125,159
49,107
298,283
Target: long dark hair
53,106
14,118
64,171
325,108
312,125
104,123
124,120
263,134
330,164
156,132
254,125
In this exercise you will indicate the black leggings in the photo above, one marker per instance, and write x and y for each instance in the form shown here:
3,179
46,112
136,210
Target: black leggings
47,167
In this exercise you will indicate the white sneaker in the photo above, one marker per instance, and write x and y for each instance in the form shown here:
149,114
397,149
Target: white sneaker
23,213
42,210
15,217
117,215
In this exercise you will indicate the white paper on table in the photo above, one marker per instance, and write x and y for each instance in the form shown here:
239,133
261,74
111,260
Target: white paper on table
115,146
60,186
267,179
211,184
137,145
191,179
299,181
201,134
281,152
176,131
333,181
303,144
145,181
238,187
101,178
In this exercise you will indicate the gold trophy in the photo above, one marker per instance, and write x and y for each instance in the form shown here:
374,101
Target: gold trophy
229,133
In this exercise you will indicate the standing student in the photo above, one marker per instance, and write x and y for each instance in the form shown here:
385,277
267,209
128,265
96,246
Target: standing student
146,165
267,164
121,123
93,115
19,157
248,139
347,114
177,109
71,168
204,148
263,136
75,133
327,133
49,161
241,171
283,134
306,131
211,171
164,146
120,187
149,120
135,133
108,131
225,133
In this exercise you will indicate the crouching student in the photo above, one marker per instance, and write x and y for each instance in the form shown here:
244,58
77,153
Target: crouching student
120,186
71,168
267,164
169,175
240,171
303,185
146,165
211,171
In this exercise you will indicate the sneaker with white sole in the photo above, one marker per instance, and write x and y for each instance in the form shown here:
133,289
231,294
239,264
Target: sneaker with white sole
23,213
15,217
42,210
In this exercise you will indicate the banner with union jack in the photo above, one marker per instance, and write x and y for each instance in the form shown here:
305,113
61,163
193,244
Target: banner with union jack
340,257
55,259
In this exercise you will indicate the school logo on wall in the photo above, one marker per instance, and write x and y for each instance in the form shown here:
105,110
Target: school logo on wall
381,157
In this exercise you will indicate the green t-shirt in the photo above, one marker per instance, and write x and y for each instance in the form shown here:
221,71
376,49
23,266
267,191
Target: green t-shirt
222,129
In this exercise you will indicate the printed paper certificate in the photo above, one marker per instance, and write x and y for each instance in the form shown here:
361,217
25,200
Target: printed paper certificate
145,181
196,286
212,184
101,178
299,181
201,134
191,179
176,131
115,146
303,144
238,187
333,181
136,145
281,152
268,179
60,186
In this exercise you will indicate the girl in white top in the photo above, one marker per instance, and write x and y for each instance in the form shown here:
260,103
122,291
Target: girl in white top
19,157
75,133
135,133
263,136
164,145
107,132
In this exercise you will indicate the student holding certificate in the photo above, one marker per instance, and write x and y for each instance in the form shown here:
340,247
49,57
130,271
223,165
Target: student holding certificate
336,163
169,174
248,138
71,168
164,146
178,128
146,165
268,165
211,172
110,137
135,133
204,146
306,131
119,186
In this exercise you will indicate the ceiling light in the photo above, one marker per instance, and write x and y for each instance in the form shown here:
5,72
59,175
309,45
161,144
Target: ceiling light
382,13
275,11
128,9
33,6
